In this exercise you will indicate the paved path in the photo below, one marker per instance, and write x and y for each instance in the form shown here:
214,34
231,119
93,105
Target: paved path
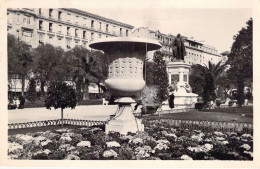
90,112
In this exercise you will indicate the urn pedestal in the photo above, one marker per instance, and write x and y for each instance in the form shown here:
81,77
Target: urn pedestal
179,76
125,57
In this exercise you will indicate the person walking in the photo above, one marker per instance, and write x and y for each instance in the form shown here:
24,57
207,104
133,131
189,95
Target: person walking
171,100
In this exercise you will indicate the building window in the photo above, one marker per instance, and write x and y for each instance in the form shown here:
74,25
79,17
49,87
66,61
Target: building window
41,38
68,31
84,21
120,31
106,27
50,27
99,25
99,35
50,13
92,36
92,24
40,25
77,20
126,32
84,34
59,15
68,17
60,27
68,43
76,32
50,39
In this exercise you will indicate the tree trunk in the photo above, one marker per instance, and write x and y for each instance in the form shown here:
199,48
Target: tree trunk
85,92
240,92
42,88
23,84
61,117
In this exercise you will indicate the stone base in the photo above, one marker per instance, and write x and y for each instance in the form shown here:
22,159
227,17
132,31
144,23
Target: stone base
124,121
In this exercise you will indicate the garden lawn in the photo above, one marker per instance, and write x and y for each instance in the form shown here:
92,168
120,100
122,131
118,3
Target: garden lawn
232,114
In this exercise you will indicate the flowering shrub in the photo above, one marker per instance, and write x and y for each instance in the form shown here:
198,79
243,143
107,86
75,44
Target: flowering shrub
158,142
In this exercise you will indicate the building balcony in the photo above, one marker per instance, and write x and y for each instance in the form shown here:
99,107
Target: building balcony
27,26
51,32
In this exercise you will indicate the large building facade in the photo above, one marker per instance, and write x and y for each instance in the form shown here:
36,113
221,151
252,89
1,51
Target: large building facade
196,52
62,27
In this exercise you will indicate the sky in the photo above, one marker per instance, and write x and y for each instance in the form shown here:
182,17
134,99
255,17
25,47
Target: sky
214,26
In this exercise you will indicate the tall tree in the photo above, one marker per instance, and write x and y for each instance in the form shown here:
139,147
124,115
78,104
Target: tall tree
160,76
79,60
204,79
49,64
19,59
240,59
98,69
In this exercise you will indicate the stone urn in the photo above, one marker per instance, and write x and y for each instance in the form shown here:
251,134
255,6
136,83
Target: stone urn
125,57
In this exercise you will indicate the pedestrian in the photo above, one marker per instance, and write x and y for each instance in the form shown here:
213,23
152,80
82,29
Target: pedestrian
22,101
171,100
17,102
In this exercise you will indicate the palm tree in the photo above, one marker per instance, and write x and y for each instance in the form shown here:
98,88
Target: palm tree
78,60
206,78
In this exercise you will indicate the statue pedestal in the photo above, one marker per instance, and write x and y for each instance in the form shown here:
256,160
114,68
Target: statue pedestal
124,120
179,74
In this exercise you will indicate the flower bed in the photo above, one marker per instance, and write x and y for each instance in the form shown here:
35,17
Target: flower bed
158,142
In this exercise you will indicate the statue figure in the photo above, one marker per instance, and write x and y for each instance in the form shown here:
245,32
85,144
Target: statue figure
178,49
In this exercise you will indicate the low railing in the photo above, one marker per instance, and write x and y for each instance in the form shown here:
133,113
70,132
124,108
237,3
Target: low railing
76,122
202,125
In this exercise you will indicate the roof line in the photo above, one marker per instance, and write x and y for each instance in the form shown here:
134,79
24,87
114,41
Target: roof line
98,17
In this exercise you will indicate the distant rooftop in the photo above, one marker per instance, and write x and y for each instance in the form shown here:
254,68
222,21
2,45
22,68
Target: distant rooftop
98,17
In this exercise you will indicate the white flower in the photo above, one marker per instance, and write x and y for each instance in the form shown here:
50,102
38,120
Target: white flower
46,151
137,140
25,138
113,144
162,142
109,153
220,138
224,142
171,135
250,153
65,139
246,146
143,152
208,146
217,133
197,138
39,139
161,146
186,157
208,140
44,143
84,144
14,147
247,136
72,157
204,148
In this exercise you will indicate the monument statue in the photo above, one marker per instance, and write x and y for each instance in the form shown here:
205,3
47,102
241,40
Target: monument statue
178,49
